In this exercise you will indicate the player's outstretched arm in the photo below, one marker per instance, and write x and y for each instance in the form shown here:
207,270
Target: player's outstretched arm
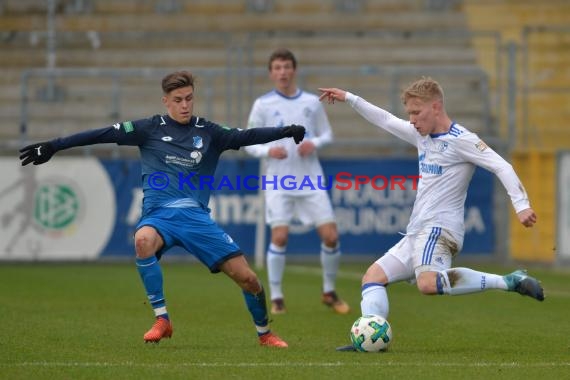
41,152
261,135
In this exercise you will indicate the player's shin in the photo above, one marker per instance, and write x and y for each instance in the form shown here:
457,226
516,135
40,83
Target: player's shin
374,300
457,281
330,259
257,306
275,268
151,276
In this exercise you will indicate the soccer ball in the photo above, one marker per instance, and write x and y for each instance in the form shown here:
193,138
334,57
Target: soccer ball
371,333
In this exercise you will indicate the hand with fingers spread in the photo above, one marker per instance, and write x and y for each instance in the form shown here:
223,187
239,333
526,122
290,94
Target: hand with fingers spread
38,153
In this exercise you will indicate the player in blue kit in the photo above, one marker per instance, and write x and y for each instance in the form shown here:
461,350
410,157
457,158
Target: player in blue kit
180,148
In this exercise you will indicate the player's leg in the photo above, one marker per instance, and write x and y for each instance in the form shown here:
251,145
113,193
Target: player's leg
435,275
315,209
276,259
392,267
278,215
374,297
147,243
330,260
218,251
458,281
239,270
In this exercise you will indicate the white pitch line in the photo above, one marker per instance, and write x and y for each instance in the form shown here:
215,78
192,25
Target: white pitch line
293,364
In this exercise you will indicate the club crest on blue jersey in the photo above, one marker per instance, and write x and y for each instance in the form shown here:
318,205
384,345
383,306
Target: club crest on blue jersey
197,142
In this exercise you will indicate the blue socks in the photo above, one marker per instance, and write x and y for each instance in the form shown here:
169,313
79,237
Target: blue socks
257,307
151,276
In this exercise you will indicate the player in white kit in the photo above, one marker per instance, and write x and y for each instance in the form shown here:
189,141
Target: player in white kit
448,154
311,206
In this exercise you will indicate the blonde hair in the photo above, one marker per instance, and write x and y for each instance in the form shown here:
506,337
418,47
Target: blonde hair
425,89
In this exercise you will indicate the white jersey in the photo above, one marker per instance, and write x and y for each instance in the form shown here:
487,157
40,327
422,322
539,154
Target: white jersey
446,164
277,110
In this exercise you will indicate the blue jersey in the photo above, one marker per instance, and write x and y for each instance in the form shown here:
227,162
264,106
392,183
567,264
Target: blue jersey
174,156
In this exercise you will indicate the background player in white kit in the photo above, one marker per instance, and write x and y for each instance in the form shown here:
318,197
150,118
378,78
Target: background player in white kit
285,104
448,154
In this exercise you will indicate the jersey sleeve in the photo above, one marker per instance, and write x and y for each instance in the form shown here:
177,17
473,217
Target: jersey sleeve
126,133
225,138
133,132
324,134
472,149
383,119
256,120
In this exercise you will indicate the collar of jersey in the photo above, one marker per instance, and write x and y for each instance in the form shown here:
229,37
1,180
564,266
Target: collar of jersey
191,123
436,135
299,92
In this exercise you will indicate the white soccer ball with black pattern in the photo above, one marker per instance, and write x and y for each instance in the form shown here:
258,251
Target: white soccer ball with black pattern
371,333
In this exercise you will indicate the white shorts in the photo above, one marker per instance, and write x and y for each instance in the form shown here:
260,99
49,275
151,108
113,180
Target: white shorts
314,208
432,249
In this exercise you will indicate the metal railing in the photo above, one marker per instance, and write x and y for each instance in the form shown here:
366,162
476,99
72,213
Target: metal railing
238,87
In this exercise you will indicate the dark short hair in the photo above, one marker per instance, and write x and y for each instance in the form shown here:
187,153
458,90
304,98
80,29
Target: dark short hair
283,54
177,79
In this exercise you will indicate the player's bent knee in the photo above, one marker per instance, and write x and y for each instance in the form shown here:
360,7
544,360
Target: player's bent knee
251,283
147,242
331,241
374,273
427,284
279,235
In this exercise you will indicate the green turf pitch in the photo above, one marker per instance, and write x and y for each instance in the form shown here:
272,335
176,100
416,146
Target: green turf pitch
71,321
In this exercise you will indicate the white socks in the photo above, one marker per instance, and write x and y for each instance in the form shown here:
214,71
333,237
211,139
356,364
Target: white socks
276,258
374,300
275,269
330,259
456,281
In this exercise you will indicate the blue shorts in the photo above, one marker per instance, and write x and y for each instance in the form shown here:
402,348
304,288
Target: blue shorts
194,230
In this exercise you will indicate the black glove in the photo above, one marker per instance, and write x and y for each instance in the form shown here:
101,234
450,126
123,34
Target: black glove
37,153
295,131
